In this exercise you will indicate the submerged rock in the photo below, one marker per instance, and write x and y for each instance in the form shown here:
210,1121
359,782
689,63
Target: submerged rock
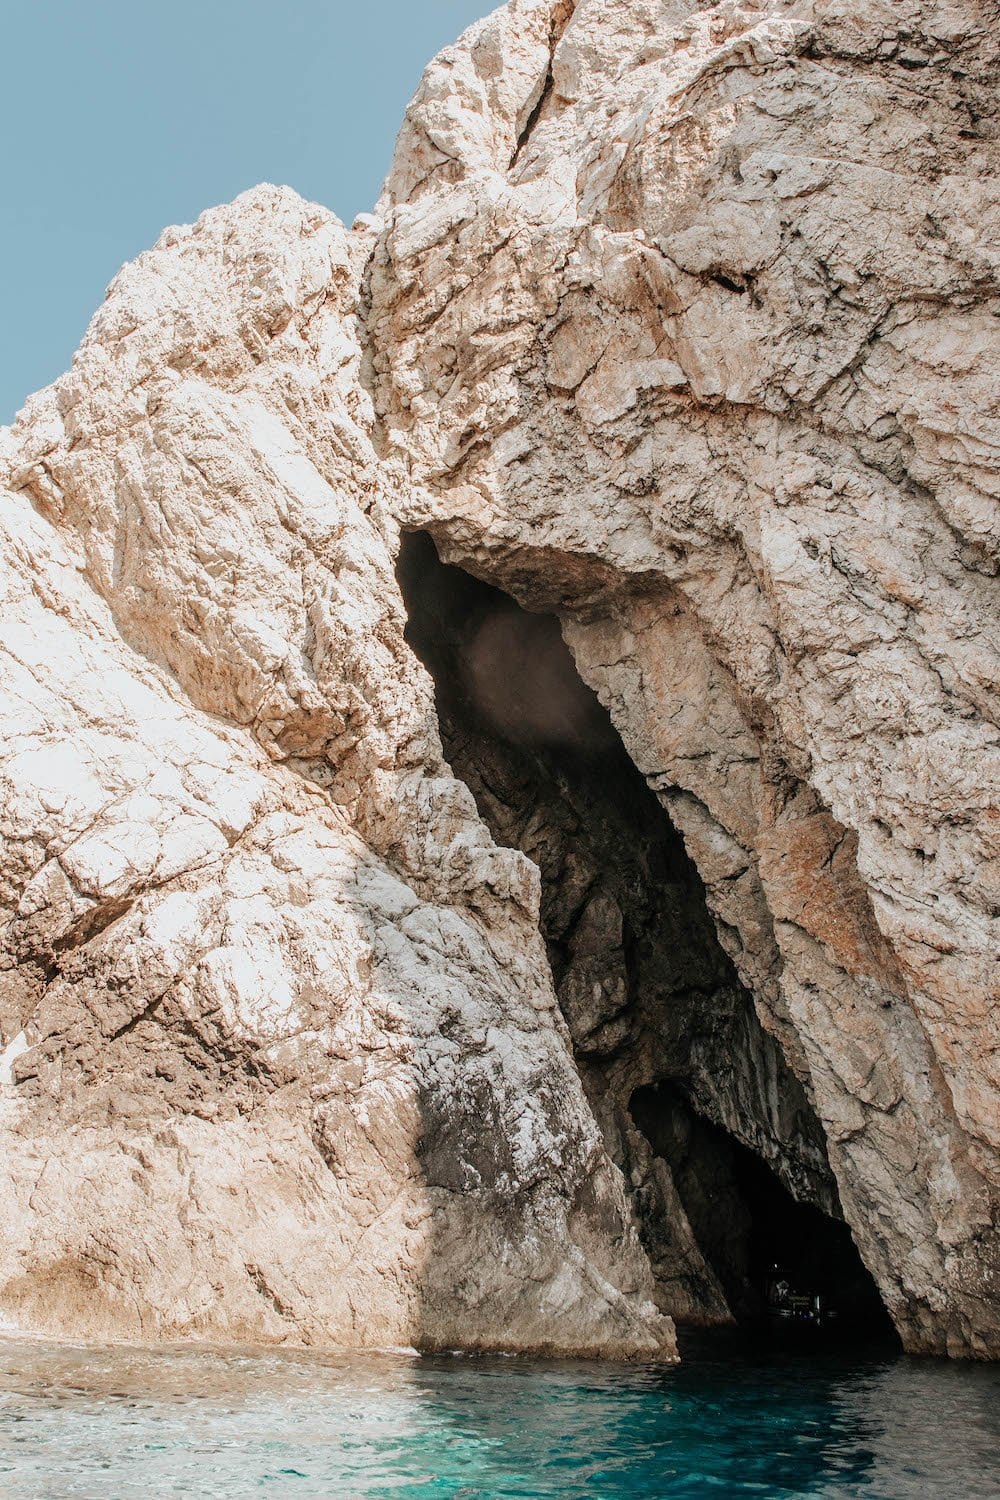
675,323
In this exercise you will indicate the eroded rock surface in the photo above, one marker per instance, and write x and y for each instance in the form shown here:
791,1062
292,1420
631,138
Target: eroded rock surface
678,322
684,320
652,1002
283,1058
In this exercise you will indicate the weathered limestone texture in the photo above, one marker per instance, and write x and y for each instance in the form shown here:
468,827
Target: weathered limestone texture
684,324
648,993
676,321
294,1068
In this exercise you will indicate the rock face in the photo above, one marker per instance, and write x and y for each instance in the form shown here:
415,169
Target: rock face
294,1066
651,1000
675,323
683,320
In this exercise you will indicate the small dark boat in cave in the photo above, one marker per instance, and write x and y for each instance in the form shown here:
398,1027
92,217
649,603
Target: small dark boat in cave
791,1309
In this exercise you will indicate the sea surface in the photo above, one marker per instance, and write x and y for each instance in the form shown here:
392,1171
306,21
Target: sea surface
135,1424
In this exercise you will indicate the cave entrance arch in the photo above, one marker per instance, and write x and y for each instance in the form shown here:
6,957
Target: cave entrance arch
724,1156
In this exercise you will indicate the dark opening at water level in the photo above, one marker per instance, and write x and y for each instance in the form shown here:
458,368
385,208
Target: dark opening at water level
124,1424
780,1239
671,1046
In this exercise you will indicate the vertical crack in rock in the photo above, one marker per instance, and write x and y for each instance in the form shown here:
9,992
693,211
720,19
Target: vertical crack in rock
561,15
723,1153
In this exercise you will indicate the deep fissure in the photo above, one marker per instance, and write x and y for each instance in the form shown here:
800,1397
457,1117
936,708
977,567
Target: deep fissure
723,1154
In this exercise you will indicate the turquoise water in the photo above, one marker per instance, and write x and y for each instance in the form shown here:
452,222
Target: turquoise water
124,1423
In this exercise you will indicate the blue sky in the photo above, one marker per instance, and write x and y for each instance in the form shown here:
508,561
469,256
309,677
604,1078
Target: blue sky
121,116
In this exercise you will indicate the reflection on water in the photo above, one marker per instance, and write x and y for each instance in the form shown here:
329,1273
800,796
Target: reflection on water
124,1423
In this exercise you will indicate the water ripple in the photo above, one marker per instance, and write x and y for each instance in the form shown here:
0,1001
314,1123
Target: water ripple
128,1424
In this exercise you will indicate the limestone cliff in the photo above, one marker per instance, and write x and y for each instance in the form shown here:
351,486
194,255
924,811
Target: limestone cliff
294,1067
674,322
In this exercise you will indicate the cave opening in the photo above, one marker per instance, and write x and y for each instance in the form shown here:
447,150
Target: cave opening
715,1136
724,1187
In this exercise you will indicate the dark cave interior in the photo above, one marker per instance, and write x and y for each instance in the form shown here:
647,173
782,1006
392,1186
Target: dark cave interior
665,1037
813,1250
